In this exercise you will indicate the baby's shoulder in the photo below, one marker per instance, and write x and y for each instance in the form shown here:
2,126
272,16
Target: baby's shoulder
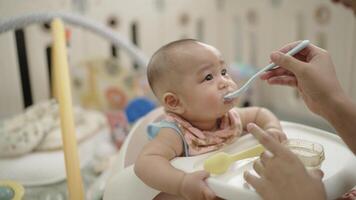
154,128
167,131
246,112
237,110
168,137
247,109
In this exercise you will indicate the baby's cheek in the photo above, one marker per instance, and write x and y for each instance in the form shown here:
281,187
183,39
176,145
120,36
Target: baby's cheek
213,100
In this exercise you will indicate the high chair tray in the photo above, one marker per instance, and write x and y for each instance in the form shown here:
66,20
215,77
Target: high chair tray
338,168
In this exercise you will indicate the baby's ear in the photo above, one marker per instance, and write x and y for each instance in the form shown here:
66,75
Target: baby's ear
172,103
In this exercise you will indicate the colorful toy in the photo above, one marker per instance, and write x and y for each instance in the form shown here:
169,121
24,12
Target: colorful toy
11,190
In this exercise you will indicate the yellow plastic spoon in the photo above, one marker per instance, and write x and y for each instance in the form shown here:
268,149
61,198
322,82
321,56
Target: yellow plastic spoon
220,162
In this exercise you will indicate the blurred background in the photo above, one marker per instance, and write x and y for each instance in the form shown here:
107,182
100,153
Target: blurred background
244,31
109,87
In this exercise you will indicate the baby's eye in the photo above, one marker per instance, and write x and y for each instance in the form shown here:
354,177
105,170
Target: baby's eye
224,72
208,77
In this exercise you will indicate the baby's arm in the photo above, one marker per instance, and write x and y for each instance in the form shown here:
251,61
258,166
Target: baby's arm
153,167
264,119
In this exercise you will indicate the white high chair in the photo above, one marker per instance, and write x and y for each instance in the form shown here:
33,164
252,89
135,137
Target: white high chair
338,167
122,169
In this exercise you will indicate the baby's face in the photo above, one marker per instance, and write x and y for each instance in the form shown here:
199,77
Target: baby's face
204,82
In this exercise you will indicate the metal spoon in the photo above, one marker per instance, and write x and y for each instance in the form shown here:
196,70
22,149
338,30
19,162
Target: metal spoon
242,89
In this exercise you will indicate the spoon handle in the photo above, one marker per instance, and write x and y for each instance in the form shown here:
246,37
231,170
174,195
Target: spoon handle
292,52
248,153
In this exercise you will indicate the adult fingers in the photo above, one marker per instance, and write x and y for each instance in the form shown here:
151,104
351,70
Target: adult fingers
282,137
259,168
283,80
276,72
347,3
305,54
291,45
265,157
265,139
288,62
255,182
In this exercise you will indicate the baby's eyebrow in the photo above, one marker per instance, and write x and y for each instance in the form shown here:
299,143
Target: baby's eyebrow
205,68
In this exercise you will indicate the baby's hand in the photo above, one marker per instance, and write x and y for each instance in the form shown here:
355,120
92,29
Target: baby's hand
194,187
277,134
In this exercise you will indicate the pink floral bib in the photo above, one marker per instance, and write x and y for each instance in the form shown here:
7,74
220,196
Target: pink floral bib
229,127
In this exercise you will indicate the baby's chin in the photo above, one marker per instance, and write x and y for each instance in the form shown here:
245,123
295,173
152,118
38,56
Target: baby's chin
228,105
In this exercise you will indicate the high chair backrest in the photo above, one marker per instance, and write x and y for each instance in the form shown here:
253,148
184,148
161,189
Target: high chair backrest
137,137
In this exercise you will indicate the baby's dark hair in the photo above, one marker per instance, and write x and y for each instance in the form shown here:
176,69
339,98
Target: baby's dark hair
163,62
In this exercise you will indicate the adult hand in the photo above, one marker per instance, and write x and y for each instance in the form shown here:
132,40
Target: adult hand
277,134
194,187
282,174
311,71
348,4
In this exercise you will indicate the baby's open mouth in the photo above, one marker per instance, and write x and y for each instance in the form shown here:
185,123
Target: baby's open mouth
227,100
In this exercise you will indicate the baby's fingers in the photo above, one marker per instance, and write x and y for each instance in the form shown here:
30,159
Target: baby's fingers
202,175
208,193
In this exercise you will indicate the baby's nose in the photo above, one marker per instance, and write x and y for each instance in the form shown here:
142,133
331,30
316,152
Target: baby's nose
223,84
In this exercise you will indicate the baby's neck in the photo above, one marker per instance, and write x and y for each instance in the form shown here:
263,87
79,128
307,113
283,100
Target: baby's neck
206,125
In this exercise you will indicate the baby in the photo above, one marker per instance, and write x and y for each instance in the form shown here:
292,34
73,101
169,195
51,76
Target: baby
190,79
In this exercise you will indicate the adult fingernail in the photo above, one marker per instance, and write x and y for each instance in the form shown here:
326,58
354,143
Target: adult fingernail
246,174
250,126
275,55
